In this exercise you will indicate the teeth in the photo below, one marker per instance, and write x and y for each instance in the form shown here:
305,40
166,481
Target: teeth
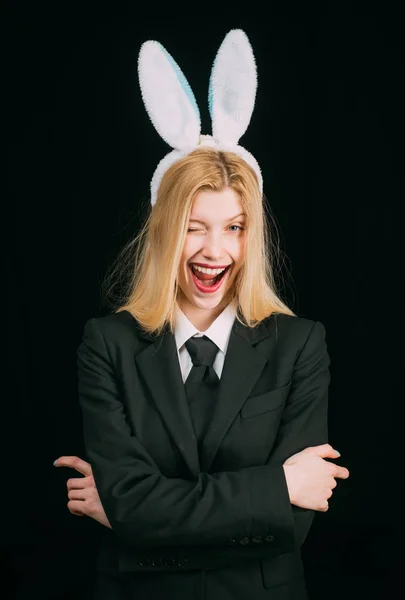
208,271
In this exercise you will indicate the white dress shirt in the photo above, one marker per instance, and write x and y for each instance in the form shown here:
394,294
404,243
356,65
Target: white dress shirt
219,332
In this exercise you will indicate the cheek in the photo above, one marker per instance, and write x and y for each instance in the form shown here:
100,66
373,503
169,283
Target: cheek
190,248
187,253
238,250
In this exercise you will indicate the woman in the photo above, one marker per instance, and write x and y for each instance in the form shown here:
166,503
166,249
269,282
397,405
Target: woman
204,402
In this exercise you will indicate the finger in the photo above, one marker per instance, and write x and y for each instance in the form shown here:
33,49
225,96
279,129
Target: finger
77,513
74,462
341,472
76,507
324,451
77,495
78,483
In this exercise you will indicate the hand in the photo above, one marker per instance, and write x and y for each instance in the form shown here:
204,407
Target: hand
310,479
82,491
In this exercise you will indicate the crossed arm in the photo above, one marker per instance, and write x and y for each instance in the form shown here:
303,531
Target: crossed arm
146,509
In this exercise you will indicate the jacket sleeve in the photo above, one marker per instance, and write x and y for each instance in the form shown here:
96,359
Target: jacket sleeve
305,418
147,509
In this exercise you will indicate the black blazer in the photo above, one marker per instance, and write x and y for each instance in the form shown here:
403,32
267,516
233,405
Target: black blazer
224,516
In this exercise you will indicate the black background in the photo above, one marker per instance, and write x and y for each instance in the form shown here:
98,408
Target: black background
328,133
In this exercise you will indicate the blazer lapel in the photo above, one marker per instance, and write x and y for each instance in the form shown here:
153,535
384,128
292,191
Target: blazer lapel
159,367
242,367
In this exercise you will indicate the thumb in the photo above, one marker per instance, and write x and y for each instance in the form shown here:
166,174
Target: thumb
324,451
74,462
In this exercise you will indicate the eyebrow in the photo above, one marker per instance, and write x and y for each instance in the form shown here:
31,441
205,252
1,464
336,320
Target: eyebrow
227,220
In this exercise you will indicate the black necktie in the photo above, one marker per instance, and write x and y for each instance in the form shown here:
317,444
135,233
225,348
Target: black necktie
202,384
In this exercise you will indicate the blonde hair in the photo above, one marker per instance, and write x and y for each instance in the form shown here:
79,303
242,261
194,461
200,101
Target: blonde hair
154,254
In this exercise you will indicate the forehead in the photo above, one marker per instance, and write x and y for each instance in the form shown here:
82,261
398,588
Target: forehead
216,206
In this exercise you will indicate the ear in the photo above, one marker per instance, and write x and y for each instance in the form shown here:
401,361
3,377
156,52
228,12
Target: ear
232,88
168,98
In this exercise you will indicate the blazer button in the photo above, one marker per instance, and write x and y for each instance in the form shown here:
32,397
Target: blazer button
269,538
257,539
244,540
141,563
232,542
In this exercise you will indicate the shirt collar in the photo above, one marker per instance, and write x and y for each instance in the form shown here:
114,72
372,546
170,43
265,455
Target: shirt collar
219,331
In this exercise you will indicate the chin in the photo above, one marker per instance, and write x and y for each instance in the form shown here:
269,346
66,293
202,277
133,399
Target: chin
207,304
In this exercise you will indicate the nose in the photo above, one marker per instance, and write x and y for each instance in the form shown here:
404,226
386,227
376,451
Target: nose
212,246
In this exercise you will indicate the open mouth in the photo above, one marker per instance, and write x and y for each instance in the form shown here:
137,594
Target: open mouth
208,282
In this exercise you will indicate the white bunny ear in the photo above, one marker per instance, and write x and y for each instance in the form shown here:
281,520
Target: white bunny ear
232,89
168,98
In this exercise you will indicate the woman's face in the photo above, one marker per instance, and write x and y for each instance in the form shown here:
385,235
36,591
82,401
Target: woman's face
215,240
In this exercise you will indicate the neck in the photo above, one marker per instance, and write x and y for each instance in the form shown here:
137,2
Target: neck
201,318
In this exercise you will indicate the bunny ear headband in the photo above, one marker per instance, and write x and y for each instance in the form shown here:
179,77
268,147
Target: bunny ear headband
173,110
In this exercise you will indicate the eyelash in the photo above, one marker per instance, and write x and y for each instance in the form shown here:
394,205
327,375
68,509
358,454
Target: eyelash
240,228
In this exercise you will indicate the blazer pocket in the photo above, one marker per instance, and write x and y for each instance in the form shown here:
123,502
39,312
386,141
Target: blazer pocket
281,569
257,405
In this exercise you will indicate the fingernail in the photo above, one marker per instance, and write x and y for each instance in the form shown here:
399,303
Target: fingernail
54,463
337,451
